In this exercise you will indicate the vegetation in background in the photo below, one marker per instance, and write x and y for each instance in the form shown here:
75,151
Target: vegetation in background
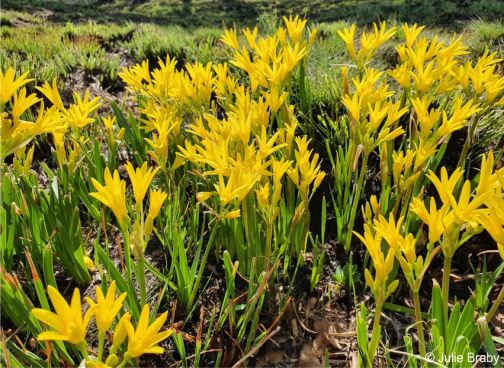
189,209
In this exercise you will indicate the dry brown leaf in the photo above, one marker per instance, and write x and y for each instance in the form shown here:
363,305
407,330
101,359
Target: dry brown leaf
272,357
308,359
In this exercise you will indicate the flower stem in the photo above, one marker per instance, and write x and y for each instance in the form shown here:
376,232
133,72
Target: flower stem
468,142
125,361
83,349
127,256
202,266
355,204
141,280
376,333
419,323
269,236
495,307
446,286
101,343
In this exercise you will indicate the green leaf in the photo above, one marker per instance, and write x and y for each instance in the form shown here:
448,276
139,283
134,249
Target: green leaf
122,286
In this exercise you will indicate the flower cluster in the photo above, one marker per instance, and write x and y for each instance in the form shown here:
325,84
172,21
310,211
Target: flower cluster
68,324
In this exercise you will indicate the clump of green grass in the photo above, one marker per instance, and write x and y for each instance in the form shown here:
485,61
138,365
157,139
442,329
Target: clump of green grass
108,35
481,34
151,42
39,49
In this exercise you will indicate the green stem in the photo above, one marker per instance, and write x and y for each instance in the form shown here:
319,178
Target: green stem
141,280
355,204
495,307
419,323
405,204
127,255
125,361
269,236
245,216
83,349
467,144
304,238
376,333
202,266
446,285
101,343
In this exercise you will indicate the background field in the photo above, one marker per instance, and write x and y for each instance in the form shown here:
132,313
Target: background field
85,43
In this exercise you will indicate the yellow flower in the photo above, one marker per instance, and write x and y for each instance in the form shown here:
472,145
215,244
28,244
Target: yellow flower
145,338
156,200
275,99
307,169
458,118
487,179
52,94
493,88
10,85
424,76
370,42
106,307
203,196
232,215
120,333
96,364
425,149
140,179
251,36
348,35
436,220
230,38
109,122
78,113
493,222
112,195
411,33
401,162
22,103
426,118
89,264
382,263
262,195
135,75
295,27
407,257
68,323
401,75
445,185
353,106
279,169
466,208
407,246
389,230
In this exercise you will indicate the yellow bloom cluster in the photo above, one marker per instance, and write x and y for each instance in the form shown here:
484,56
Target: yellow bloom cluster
113,195
428,69
370,42
465,209
238,147
372,111
15,104
270,60
69,324
16,132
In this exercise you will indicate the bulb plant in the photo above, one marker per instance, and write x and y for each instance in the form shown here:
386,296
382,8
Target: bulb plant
207,171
